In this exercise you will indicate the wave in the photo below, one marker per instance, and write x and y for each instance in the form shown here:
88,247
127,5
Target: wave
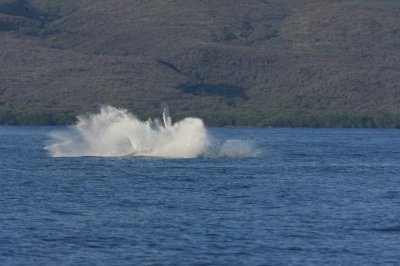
116,132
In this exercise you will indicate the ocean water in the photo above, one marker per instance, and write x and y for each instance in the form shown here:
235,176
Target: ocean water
272,197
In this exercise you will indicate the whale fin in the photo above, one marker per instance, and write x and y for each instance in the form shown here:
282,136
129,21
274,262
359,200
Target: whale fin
166,116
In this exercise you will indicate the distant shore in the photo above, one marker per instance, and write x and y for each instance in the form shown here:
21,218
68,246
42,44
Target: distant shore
235,118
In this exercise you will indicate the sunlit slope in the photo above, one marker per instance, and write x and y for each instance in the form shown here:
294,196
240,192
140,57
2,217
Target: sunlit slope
200,55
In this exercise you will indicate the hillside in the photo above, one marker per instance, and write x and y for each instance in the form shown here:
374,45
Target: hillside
255,62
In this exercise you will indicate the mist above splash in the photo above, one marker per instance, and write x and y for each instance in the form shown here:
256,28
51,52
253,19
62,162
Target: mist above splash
116,132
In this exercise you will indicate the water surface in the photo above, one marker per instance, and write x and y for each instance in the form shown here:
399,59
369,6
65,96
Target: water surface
314,196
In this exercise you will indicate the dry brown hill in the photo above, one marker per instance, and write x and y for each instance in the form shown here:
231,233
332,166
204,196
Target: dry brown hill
219,56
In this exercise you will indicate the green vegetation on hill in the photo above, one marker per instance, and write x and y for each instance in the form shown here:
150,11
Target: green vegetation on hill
314,63
243,118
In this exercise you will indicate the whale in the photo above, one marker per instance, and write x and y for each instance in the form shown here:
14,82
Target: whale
166,116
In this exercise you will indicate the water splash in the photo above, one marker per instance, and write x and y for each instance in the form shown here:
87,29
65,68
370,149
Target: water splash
234,148
116,132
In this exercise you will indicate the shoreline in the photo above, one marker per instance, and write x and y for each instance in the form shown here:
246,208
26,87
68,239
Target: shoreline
283,118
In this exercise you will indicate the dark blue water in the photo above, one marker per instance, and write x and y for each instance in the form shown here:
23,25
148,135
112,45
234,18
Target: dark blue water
315,196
